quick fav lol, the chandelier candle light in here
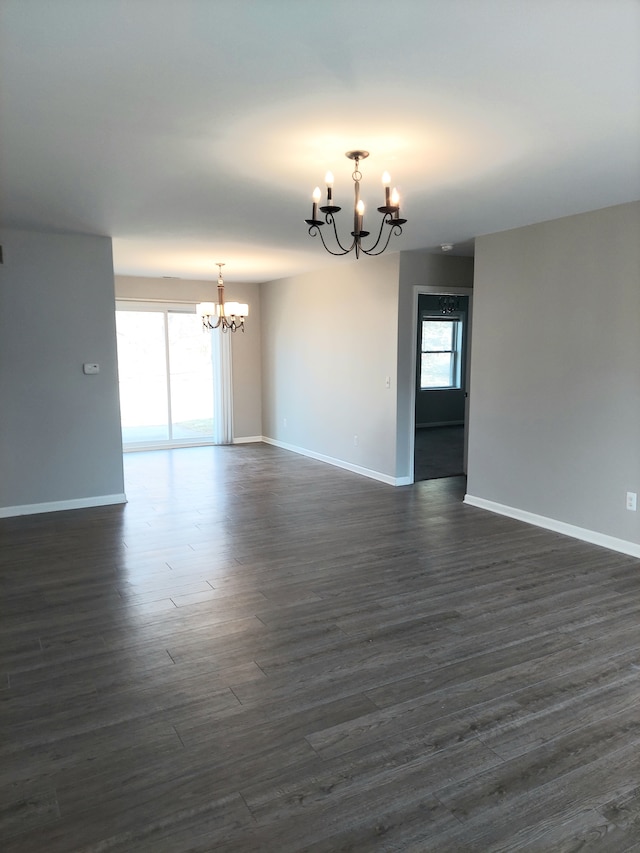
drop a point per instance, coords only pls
(228, 316)
(390, 211)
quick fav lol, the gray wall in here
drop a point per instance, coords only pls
(329, 342)
(59, 429)
(330, 339)
(246, 347)
(555, 370)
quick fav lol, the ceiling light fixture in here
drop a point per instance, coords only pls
(228, 316)
(448, 304)
(390, 211)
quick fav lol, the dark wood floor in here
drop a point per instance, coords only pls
(438, 452)
(264, 653)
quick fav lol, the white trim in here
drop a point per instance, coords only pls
(126, 303)
(591, 536)
(57, 506)
(134, 446)
(339, 463)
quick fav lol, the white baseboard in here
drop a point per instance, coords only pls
(57, 506)
(181, 445)
(143, 446)
(339, 463)
(591, 536)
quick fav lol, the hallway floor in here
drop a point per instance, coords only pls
(439, 452)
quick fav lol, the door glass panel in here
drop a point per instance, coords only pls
(143, 376)
(191, 378)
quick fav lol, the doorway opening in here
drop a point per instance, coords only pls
(441, 383)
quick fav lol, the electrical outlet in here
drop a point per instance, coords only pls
(355, 440)
(632, 501)
(284, 422)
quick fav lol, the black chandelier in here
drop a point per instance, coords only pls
(448, 304)
(390, 211)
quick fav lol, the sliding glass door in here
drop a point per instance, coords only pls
(166, 378)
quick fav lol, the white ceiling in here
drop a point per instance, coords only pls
(194, 131)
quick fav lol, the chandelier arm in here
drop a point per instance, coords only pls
(206, 321)
(314, 230)
(331, 221)
(345, 251)
(331, 252)
(395, 229)
(371, 250)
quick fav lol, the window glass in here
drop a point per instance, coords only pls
(166, 376)
(441, 352)
(437, 335)
(142, 370)
(436, 370)
(190, 377)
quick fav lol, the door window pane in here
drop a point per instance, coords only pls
(191, 377)
(142, 368)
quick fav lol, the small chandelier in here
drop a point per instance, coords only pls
(448, 304)
(228, 316)
(390, 211)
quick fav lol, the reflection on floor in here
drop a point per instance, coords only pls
(439, 452)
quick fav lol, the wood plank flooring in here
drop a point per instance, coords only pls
(438, 452)
(260, 652)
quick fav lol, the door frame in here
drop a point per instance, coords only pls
(436, 290)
